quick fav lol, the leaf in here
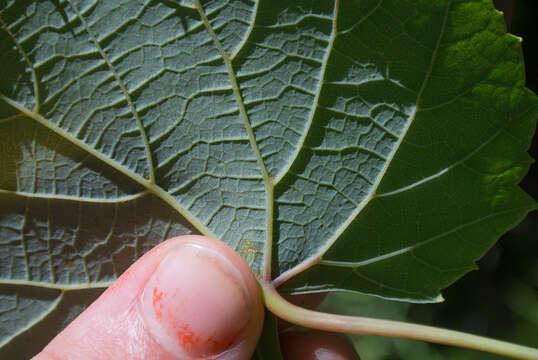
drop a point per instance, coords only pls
(370, 146)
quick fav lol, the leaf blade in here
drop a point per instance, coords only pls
(308, 136)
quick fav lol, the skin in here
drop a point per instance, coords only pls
(191, 297)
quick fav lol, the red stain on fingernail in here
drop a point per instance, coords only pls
(211, 340)
(212, 344)
(157, 302)
(186, 336)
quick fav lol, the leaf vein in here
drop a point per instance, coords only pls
(36, 321)
(317, 256)
(409, 249)
(443, 171)
(151, 187)
(242, 110)
(315, 103)
(123, 89)
(26, 60)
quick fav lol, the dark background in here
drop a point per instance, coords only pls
(498, 300)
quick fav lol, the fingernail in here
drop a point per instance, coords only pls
(196, 303)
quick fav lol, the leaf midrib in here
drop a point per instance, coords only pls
(268, 183)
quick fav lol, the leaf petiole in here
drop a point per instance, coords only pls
(363, 325)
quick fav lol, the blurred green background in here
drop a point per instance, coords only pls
(498, 300)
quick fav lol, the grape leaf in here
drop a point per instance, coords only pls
(370, 145)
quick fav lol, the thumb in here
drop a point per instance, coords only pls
(191, 297)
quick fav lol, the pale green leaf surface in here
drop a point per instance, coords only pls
(369, 146)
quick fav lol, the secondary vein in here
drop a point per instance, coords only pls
(317, 257)
(29, 325)
(26, 60)
(408, 249)
(120, 82)
(315, 104)
(152, 187)
(43, 196)
(54, 286)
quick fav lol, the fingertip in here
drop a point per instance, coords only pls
(190, 297)
(203, 301)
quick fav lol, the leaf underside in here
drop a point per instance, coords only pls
(369, 146)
